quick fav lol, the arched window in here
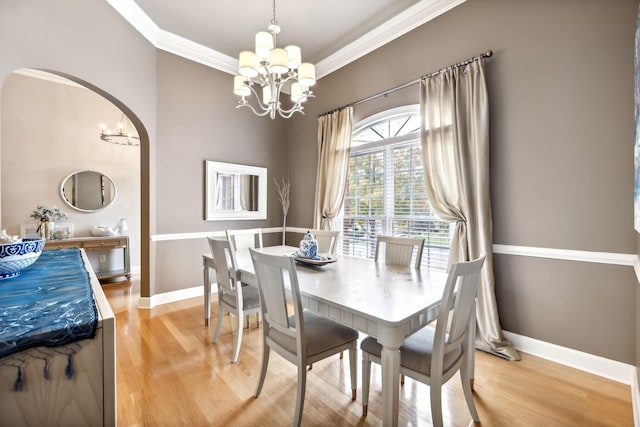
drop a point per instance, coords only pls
(386, 192)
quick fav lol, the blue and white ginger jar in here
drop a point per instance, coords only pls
(309, 247)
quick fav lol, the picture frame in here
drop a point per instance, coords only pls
(234, 192)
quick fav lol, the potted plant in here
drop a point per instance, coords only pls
(47, 216)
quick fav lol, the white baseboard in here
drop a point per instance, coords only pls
(607, 368)
(169, 297)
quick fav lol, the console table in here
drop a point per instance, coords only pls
(98, 244)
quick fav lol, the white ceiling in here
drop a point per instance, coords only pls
(331, 33)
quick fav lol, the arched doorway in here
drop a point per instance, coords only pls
(46, 162)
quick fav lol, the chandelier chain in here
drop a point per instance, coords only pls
(274, 21)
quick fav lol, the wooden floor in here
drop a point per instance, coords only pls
(169, 374)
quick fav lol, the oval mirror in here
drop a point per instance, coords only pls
(88, 191)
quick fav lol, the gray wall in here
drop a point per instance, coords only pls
(197, 121)
(561, 101)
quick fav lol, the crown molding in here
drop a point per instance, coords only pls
(196, 52)
(416, 15)
(133, 14)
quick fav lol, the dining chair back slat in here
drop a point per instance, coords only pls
(327, 241)
(245, 238)
(399, 250)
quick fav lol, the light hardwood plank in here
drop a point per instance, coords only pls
(169, 373)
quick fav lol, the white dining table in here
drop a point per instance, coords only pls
(384, 301)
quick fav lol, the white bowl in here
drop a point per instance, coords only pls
(15, 257)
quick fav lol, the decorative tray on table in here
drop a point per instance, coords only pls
(318, 261)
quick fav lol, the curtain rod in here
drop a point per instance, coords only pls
(486, 54)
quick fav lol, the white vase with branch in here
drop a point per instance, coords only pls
(283, 193)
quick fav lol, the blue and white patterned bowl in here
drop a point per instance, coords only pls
(16, 256)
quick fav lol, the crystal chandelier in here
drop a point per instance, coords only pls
(122, 135)
(271, 68)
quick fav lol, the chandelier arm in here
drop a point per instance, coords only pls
(288, 114)
(246, 104)
(258, 97)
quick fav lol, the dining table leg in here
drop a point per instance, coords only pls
(390, 359)
(207, 294)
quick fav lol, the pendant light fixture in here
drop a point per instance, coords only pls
(264, 73)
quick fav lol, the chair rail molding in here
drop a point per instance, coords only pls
(569, 255)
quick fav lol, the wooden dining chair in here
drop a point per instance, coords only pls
(327, 241)
(399, 250)
(241, 301)
(433, 355)
(302, 338)
(246, 238)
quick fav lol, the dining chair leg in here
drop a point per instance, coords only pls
(216, 334)
(302, 382)
(366, 380)
(436, 403)
(263, 369)
(468, 394)
(236, 348)
(354, 372)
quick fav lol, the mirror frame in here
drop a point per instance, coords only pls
(115, 191)
(212, 168)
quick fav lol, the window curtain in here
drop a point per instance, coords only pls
(455, 148)
(334, 144)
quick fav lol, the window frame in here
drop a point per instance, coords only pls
(387, 147)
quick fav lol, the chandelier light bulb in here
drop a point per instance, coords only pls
(266, 95)
(307, 74)
(240, 86)
(278, 62)
(294, 56)
(264, 44)
(248, 64)
(297, 93)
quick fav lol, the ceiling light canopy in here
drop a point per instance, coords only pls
(270, 69)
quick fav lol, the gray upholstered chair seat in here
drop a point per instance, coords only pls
(321, 334)
(250, 298)
(415, 353)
